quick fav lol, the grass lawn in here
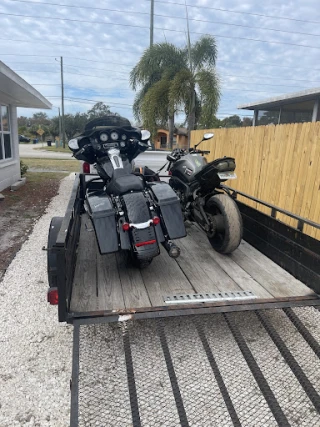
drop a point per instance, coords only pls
(52, 165)
(56, 150)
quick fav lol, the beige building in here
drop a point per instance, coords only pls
(180, 139)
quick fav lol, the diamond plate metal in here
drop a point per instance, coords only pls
(194, 366)
(209, 297)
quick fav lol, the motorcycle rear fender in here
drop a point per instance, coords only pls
(142, 235)
(103, 216)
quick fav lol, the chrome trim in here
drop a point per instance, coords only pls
(115, 159)
(142, 225)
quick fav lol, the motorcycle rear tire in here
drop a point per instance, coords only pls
(227, 241)
(141, 263)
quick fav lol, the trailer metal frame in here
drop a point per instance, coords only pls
(289, 247)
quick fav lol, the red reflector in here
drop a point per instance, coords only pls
(52, 296)
(156, 220)
(148, 242)
(125, 226)
(170, 173)
(86, 167)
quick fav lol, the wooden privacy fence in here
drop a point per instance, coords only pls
(277, 164)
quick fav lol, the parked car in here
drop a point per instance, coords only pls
(23, 138)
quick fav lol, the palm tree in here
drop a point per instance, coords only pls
(172, 79)
(154, 73)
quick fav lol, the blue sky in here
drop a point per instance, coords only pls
(98, 54)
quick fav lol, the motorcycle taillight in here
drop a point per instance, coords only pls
(86, 167)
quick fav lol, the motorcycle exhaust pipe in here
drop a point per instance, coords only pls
(172, 249)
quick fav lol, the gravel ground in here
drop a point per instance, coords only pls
(35, 357)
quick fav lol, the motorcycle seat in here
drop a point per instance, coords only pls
(123, 182)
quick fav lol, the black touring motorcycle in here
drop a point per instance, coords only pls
(203, 200)
(133, 212)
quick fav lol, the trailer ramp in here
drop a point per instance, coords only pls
(258, 368)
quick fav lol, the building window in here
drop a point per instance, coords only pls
(267, 117)
(163, 141)
(5, 134)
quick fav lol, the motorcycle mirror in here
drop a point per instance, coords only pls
(208, 136)
(73, 144)
(145, 135)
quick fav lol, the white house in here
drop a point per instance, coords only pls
(14, 92)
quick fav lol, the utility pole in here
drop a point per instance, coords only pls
(151, 22)
(59, 126)
(62, 105)
(191, 118)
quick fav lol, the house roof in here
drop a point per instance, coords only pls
(177, 131)
(181, 131)
(302, 100)
(16, 91)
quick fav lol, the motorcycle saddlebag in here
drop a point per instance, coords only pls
(170, 208)
(103, 217)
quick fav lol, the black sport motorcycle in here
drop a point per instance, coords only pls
(131, 211)
(203, 199)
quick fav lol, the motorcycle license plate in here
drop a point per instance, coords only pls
(227, 175)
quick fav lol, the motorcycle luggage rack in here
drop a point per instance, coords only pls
(209, 297)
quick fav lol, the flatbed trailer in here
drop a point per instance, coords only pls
(140, 373)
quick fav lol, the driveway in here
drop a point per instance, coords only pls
(152, 159)
(30, 151)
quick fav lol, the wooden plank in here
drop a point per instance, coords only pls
(276, 285)
(243, 280)
(298, 288)
(84, 290)
(109, 288)
(202, 269)
(133, 288)
(164, 277)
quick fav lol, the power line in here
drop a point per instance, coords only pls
(132, 65)
(271, 77)
(269, 65)
(98, 69)
(78, 100)
(66, 72)
(240, 12)
(86, 99)
(166, 16)
(41, 41)
(20, 54)
(157, 28)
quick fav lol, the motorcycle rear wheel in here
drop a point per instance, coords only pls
(225, 240)
(141, 263)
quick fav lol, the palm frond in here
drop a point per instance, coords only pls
(159, 59)
(208, 86)
(204, 52)
(155, 106)
(181, 89)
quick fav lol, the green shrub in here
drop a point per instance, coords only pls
(23, 168)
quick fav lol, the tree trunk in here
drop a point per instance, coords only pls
(192, 116)
(171, 130)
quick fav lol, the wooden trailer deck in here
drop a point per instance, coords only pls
(109, 282)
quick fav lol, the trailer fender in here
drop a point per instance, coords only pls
(54, 229)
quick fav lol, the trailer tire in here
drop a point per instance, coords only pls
(229, 239)
(54, 229)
